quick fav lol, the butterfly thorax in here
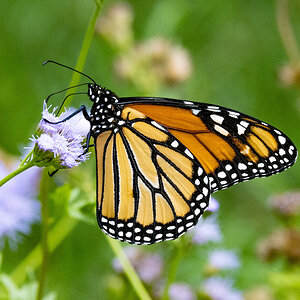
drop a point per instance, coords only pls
(105, 113)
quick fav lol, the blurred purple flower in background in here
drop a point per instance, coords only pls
(218, 288)
(148, 265)
(207, 230)
(213, 205)
(223, 259)
(181, 291)
(19, 208)
(60, 145)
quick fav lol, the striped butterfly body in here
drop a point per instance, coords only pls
(158, 161)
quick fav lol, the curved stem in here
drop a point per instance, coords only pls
(19, 170)
(286, 31)
(44, 190)
(128, 269)
(85, 47)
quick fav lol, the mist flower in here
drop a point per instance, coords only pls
(19, 208)
(60, 145)
(218, 288)
(223, 259)
(207, 230)
(147, 265)
(181, 291)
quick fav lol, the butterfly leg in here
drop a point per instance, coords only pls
(88, 138)
(52, 173)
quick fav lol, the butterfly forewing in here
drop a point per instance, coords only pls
(150, 186)
(231, 146)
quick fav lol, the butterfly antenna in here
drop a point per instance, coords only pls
(57, 63)
(71, 87)
(62, 104)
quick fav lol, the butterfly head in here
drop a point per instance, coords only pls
(95, 91)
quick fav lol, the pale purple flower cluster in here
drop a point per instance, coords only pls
(61, 145)
(147, 265)
(207, 230)
(218, 288)
(181, 291)
(223, 259)
(19, 208)
(213, 205)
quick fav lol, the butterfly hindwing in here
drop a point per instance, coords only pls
(150, 186)
(231, 146)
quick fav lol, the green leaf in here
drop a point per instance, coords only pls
(81, 207)
(28, 291)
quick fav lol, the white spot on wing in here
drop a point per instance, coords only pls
(188, 153)
(157, 125)
(234, 113)
(188, 102)
(218, 119)
(174, 144)
(244, 123)
(281, 152)
(222, 174)
(241, 129)
(221, 130)
(228, 167)
(282, 139)
(242, 166)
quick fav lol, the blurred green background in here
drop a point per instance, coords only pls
(236, 53)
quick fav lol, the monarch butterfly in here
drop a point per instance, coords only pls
(160, 159)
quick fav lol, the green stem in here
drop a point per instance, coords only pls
(286, 31)
(172, 270)
(85, 48)
(44, 190)
(26, 159)
(19, 170)
(56, 235)
(128, 269)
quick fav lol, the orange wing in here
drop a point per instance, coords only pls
(230, 146)
(150, 187)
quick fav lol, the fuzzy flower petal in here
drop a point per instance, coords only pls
(46, 142)
(61, 145)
